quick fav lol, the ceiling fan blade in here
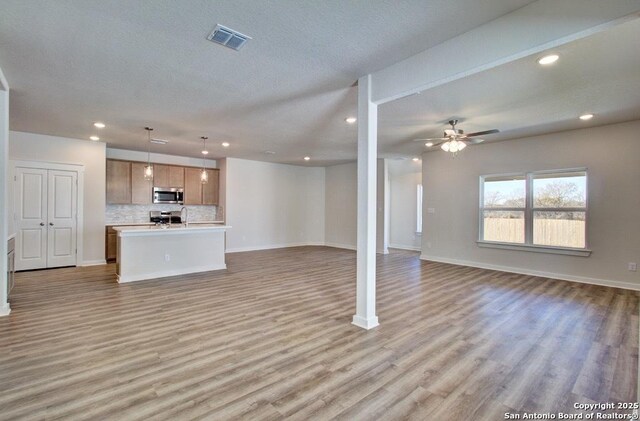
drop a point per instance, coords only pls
(492, 131)
(475, 141)
(431, 139)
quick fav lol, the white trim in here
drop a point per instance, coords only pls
(93, 263)
(529, 209)
(49, 165)
(4, 85)
(79, 170)
(560, 276)
(270, 246)
(340, 246)
(403, 247)
(367, 324)
(5, 309)
(535, 248)
(166, 273)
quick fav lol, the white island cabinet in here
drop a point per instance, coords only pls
(149, 252)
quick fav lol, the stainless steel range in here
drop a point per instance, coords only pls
(165, 217)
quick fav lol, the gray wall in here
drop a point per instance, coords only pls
(612, 156)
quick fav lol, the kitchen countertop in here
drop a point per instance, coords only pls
(166, 229)
(133, 224)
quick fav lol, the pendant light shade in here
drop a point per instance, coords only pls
(148, 169)
(204, 175)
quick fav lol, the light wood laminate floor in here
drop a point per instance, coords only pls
(270, 338)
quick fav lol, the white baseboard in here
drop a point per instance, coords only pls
(269, 247)
(340, 246)
(93, 262)
(365, 323)
(5, 309)
(563, 277)
(403, 247)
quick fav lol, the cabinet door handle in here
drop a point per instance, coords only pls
(42, 224)
(51, 223)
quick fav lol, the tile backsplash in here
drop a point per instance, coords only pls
(136, 214)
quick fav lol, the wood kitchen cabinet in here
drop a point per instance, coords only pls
(111, 244)
(211, 190)
(118, 182)
(192, 186)
(140, 188)
(126, 183)
(196, 193)
(168, 176)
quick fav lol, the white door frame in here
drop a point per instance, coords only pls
(79, 169)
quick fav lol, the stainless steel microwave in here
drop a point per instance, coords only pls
(168, 195)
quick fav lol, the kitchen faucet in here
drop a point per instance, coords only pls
(185, 221)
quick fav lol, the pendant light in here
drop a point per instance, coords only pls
(204, 175)
(148, 169)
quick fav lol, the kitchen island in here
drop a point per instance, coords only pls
(151, 251)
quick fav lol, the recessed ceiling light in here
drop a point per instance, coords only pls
(350, 120)
(416, 159)
(99, 125)
(306, 158)
(550, 59)
(586, 116)
(428, 144)
(205, 152)
(94, 138)
(225, 144)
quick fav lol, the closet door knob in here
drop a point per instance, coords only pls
(51, 223)
(42, 224)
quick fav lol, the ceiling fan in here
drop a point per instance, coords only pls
(455, 140)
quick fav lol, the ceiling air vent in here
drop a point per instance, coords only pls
(228, 37)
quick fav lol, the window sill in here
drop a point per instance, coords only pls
(536, 249)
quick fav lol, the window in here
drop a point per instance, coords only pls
(419, 209)
(545, 209)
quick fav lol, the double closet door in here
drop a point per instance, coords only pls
(45, 210)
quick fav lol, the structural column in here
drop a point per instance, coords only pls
(4, 177)
(365, 316)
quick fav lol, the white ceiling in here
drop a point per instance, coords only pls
(132, 64)
(598, 74)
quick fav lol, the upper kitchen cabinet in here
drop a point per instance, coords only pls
(192, 186)
(211, 190)
(168, 176)
(118, 182)
(140, 188)
(196, 193)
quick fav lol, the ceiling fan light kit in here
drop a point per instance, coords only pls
(455, 140)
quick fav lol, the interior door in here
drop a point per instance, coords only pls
(31, 218)
(61, 215)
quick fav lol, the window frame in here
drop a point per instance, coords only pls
(529, 210)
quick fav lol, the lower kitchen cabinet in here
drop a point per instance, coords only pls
(111, 244)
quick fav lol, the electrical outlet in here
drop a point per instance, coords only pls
(167, 257)
(633, 267)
